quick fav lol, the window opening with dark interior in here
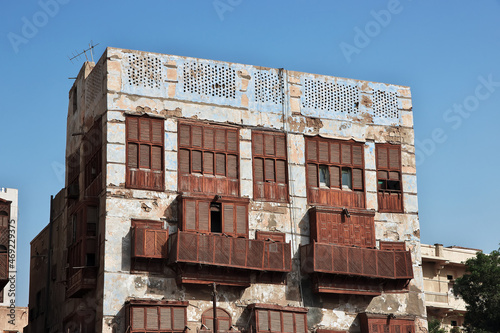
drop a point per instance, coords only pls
(4, 219)
(346, 178)
(90, 259)
(324, 176)
(216, 217)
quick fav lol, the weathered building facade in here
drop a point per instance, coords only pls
(440, 267)
(290, 196)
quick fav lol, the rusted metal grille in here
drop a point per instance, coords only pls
(336, 259)
(219, 250)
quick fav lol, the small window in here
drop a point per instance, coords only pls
(346, 178)
(450, 277)
(454, 322)
(215, 217)
(324, 176)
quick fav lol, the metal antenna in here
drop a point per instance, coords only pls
(78, 55)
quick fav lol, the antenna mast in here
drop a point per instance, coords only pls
(78, 55)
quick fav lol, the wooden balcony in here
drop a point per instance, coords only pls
(4, 269)
(354, 270)
(83, 280)
(218, 251)
(390, 201)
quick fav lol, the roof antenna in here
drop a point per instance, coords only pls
(78, 55)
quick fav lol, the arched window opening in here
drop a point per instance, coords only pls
(223, 320)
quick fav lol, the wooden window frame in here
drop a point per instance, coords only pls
(207, 317)
(334, 160)
(93, 156)
(158, 306)
(392, 246)
(388, 169)
(144, 262)
(142, 170)
(205, 143)
(270, 194)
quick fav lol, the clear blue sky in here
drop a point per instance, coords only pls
(446, 51)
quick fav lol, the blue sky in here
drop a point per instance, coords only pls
(446, 51)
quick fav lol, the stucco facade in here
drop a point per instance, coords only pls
(306, 112)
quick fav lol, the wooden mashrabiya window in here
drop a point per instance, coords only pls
(335, 171)
(270, 166)
(389, 184)
(208, 159)
(144, 316)
(145, 137)
(282, 319)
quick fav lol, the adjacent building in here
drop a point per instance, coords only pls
(441, 266)
(204, 195)
(12, 318)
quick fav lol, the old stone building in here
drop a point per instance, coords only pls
(440, 267)
(202, 193)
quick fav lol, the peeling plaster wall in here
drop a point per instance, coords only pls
(238, 97)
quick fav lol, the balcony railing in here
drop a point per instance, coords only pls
(220, 250)
(83, 280)
(4, 269)
(344, 260)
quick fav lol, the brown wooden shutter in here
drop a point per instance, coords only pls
(137, 318)
(132, 128)
(220, 164)
(393, 175)
(357, 179)
(132, 155)
(263, 320)
(287, 322)
(334, 176)
(280, 146)
(394, 159)
(258, 144)
(190, 214)
(228, 218)
(220, 139)
(312, 175)
(152, 318)
(144, 158)
(241, 220)
(275, 321)
(383, 175)
(346, 154)
(323, 151)
(232, 166)
(312, 151)
(269, 167)
(208, 163)
(301, 323)
(269, 145)
(281, 171)
(166, 318)
(184, 161)
(382, 157)
(179, 318)
(203, 216)
(184, 135)
(156, 158)
(158, 131)
(334, 153)
(232, 141)
(357, 155)
(144, 130)
(196, 136)
(196, 156)
(208, 138)
(258, 164)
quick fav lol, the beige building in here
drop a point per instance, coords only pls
(289, 196)
(12, 318)
(441, 266)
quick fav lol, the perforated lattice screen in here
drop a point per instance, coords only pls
(337, 97)
(93, 85)
(268, 87)
(144, 71)
(385, 104)
(211, 80)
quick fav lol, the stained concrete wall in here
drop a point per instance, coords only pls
(139, 82)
